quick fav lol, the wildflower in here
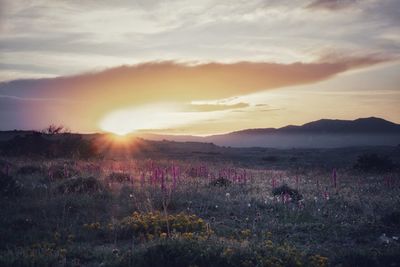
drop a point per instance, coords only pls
(326, 195)
(115, 251)
(227, 195)
(131, 195)
(188, 236)
(249, 205)
(216, 206)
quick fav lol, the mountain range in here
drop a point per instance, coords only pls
(324, 133)
(317, 134)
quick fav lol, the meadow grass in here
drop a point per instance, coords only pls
(179, 213)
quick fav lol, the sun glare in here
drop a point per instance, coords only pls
(161, 116)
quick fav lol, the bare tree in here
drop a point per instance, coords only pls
(53, 129)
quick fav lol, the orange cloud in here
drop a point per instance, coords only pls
(96, 94)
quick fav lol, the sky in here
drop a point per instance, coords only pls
(196, 67)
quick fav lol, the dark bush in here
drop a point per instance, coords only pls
(119, 177)
(270, 158)
(373, 163)
(29, 170)
(61, 171)
(221, 181)
(50, 146)
(285, 189)
(80, 185)
(9, 186)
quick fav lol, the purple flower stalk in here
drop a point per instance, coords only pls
(334, 178)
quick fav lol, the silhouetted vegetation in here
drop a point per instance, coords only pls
(50, 146)
(55, 129)
(286, 190)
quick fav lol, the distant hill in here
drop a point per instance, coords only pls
(324, 133)
(325, 126)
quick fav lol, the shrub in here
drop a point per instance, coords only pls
(156, 225)
(29, 170)
(119, 177)
(286, 190)
(61, 171)
(50, 146)
(80, 185)
(9, 186)
(373, 163)
(221, 181)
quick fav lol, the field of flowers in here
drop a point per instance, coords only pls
(194, 213)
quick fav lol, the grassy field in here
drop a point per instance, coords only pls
(196, 212)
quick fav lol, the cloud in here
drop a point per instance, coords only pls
(331, 4)
(171, 80)
(216, 107)
(89, 97)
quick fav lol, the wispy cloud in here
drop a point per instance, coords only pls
(214, 107)
(332, 4)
